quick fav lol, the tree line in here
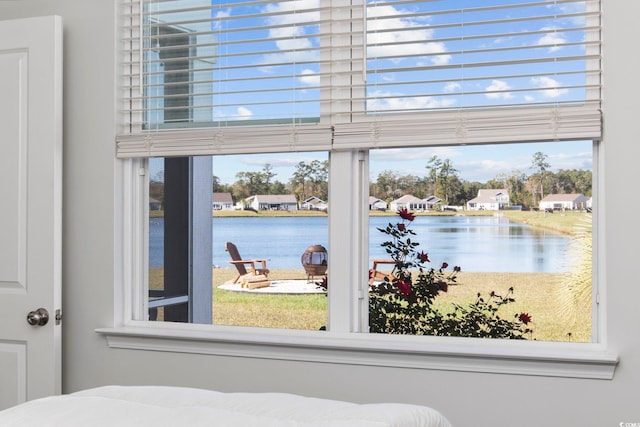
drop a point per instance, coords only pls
(309, 179)
(442, 180)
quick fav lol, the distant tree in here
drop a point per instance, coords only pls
(433, 167)
(248, 184)
(442, 175)
(469, 190)
(573, 181)
(267, 175)
(156, 190)
(540, 166)
(514, 183)
(301, 176)
(219, 187)
(278, 187)
(390, 185)
(215, 183)
(456, 194)
(386, 186)
(310, 179)
(320, 179)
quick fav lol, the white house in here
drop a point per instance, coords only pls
(431, 201)
(489, 200)
(564, 202)
(221, 201)
(101, 347)
(314, 203)
(413, 203)
(377, 204)
(278, 202)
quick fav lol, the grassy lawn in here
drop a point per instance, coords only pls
(538, 294)
(535, 293)
(307, 312)
(563, 222)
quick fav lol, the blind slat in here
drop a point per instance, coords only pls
(258, 75)
(224, 140)
(473, 127)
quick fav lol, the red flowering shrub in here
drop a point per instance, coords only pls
(404, 302)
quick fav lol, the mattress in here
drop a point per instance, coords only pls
(156, 406)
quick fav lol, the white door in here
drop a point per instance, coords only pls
(30, 208)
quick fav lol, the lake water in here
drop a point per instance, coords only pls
(482, 243)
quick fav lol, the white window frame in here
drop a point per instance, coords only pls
(347, 340)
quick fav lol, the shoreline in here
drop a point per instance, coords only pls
(568, 223)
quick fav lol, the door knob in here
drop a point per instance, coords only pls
(39, 317)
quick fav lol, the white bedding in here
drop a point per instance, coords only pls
(178, 406)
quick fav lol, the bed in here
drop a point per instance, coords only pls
(155, 406)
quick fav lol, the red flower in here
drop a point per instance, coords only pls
(401, 227)
(444, 287)
(405, 214)
(524, 318)
(423, 257)
(404, 287)
(456, 268)
(444, 265)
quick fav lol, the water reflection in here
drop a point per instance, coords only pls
(488, 244)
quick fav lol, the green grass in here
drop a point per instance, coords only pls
(535, 293)
(307, 312)
(538, 294)
(563, 222)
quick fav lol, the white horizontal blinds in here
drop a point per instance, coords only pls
(130, 62)
(498, 70)
(225, 140)
(232, 72)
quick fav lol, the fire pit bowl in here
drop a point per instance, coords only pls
(314, 260)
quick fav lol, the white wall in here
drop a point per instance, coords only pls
(466, 398)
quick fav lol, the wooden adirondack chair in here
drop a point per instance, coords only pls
(376, 274)
(255, 266)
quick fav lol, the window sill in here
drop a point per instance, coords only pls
(572, 360)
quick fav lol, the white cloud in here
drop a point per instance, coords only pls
(221, 14)
(574, 160)
(552, 38)
(483, 170)
(243, 113)
(395, 42)
(498, 90)
(572, 8)
(550, 87)
(389, 101)
(414, 163)
(292, 30)
(283, 164)
(310, 77)
(452, 87)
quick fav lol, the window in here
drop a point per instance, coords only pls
(510, 216)
(263, 206)
(354, 84)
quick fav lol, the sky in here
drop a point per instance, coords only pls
(414, 50)
(420, 55)
(474, 163)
